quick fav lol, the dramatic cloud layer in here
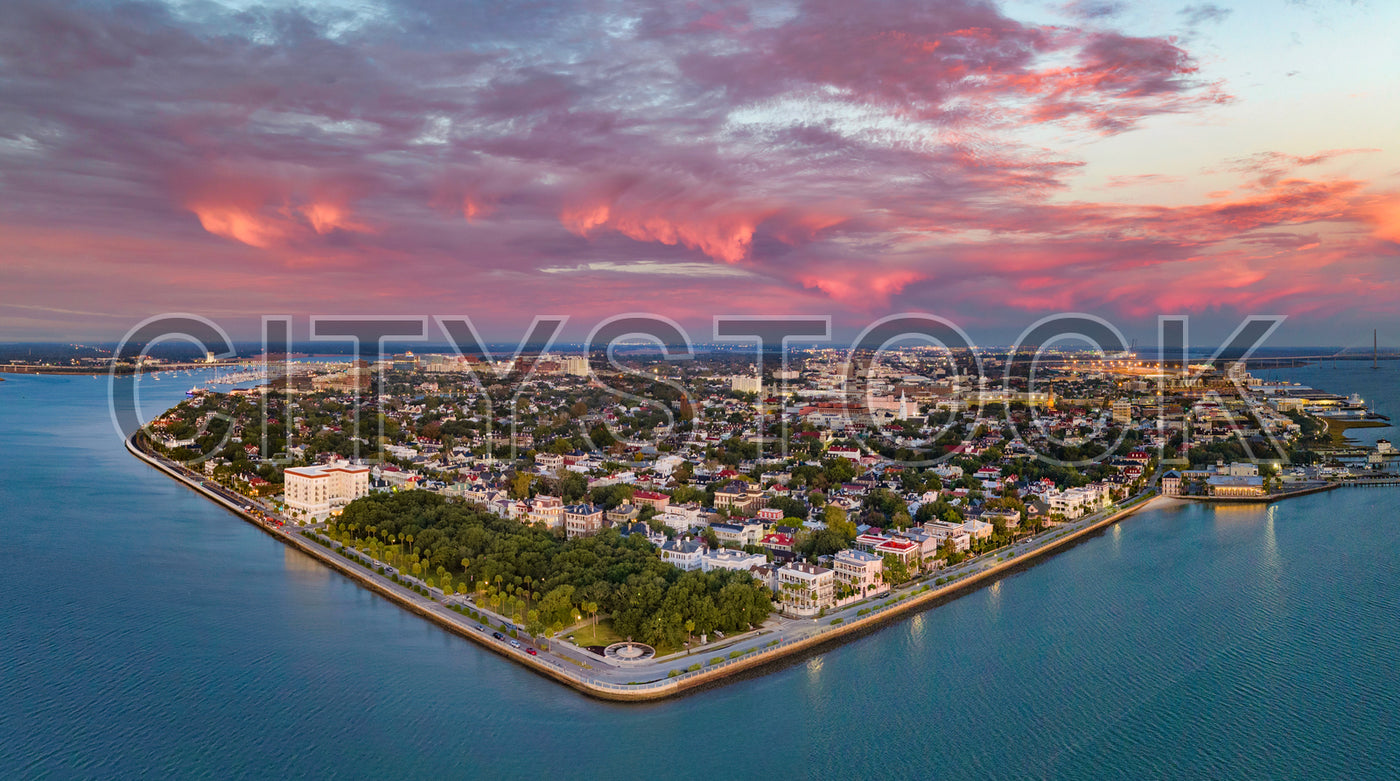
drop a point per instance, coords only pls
(602, 157)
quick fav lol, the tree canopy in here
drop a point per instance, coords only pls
(648, 599)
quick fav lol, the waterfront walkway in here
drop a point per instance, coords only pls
(654, 679)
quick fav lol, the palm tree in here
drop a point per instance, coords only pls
(689, 627)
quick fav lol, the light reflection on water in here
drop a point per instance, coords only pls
(1226, 513)
(303, 567)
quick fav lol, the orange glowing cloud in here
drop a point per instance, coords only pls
(725, 236)
(326, 217)
(1383, 214)
(583, 219)
(859, 287)
(265, 226)
(241, 225)
(472, 209)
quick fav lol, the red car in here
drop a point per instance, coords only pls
(532, 652)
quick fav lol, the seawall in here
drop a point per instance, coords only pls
(461, 625)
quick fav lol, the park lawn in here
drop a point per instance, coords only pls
(585, 636)
(604, 635)
(1338, 428)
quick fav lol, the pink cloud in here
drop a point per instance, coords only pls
(843, 156)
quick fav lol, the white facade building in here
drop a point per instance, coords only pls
(741, 383)
(685, 554)
(315, 491)
(859, 571)
(805, 590)
(547, 510)
(731, 560)
(574, 365)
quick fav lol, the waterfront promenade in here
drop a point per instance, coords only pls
(778, 639)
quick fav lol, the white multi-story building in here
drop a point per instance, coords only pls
(976, 529)
(574, 365)
(316, 491)
(859, 571)
(739, 532)
(805, 590)
(731, 560)
(547, 510)
(1075, 502)
(667, 464)
(682, 517)
(1171, 483)
(741, 383)
(942, 530)
(688, 555)
(1238, 469)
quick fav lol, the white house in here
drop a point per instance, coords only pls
(682, 517)
(739, 532)
(685, 554)
(547, 510)
(731, 560)
(942, 531)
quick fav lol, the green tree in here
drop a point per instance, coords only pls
(836, 521)
(520, 485)
(572, 487)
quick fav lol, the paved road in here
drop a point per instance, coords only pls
(777, 628)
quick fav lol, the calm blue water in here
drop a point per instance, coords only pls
(145, 632)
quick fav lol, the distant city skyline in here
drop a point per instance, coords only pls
(987, 162)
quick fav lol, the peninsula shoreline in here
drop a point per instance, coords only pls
(910, 602)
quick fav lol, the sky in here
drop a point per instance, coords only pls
(991, 163)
